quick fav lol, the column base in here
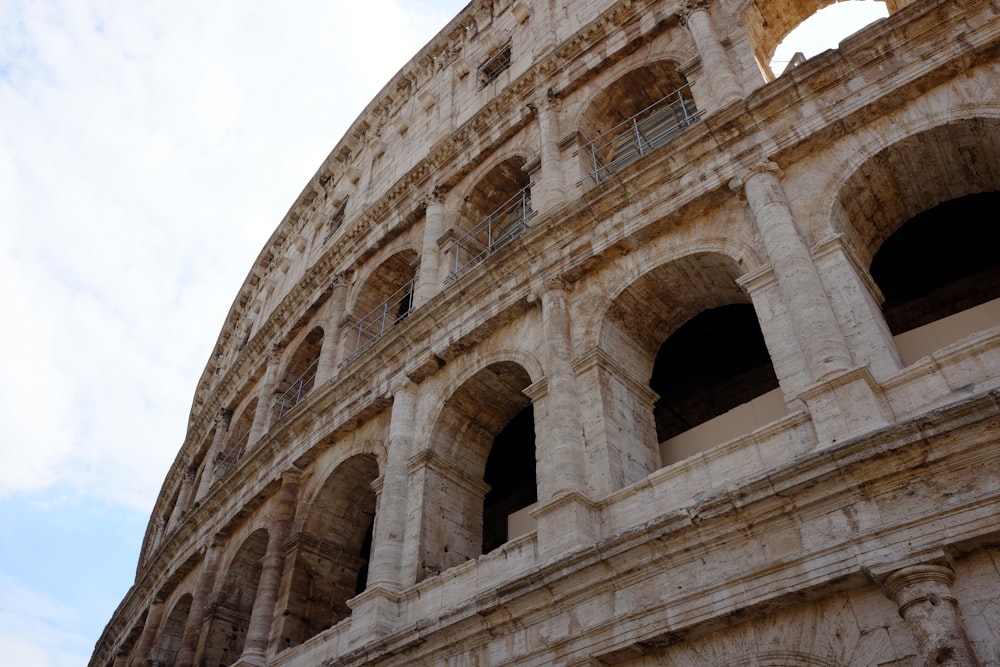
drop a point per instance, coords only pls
(566, 523)
(251, 659)
(846, 405)
(374, 613)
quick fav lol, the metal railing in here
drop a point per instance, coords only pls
(644, 132)
(494, 231)
(292, 396)
(227, 460)
(380, 319)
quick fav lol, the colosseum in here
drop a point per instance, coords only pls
(595, 342)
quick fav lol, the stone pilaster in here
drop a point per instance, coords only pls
(925, 600)
(564, 512)
(183, 498)
(715, 65)
(218, 442)
(813, 320)
(264, 399)
(842, 399)
(549, 189)
(328, 359)
(390, 516)
(192, 637)
(428, 282)
(149, 632)
(261, 620)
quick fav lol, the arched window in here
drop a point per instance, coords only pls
(688, 329)
(228, 617)
(299, 375)
(635, 115)
(940, 275)
(328, 558)
(236, 440)
(485, 432)
(715, 381)
(784, 33)
(921, 213)
(385, 300)
(495, 211)
(165, 653)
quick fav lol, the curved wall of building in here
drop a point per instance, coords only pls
(593, 342)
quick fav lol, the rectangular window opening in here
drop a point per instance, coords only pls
(491, 69)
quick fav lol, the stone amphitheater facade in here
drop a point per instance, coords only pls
(595, 343)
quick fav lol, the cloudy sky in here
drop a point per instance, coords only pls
(147, 151)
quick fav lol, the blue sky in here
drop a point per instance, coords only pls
(147, 151)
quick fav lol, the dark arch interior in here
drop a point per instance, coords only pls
(941, 262)
(510, 472)
(714, 362)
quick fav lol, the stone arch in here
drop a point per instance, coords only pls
(495, 209)
(169, 642)
(328, 556)
(920, 213)
(384, 298)
(768, 22)
(687, 330)
(237, 438)
(470, 424)
(299, 374)
(636, 113)
(228, 617)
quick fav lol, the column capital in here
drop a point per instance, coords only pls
(917, 583)
(554, 284)
(436, 195)
(341, 278)
(737, 183)
(690, 7)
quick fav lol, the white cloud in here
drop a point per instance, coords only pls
(33, 629)
(148, 151)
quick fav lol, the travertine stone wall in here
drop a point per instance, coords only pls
(327, 506)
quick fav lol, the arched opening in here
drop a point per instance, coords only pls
(922, 214)
(460, 519)
(940, 275)
(688, 329)
(228, 617)
(300, 374)
(237, 439)
(384, 300)
(510, 474)
(328, 558)
(784, 33)
(165, 653)
(715, 381)
(495, 211)
(635, 115)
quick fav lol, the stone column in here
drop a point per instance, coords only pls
(262, 618)
(428, 282)
(549, 189)
(565, 512)
(264, 400)
(390, 517)
(715, 64)
(376, 609)
(183, 498)
(191, 638)
(328, 355)
(149, 630)
(813, 320)
(218, 442)
(923, 594)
